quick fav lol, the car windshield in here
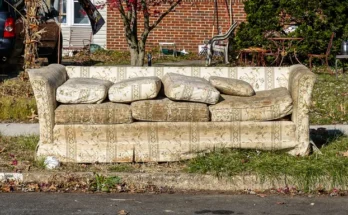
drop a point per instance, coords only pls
(19, 4)
(3, 5)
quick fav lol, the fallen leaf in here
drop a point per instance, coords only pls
(6, 188)
(122, 212)
(53, 188)
(280, 203)
(2, 149)
(345, 154)
(262, 195)
(33, 116)
(33, 187)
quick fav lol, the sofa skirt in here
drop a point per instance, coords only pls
(163, 141)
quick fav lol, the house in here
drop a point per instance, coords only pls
(192, 22)
(75, 24)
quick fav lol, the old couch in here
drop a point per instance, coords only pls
(88, 135)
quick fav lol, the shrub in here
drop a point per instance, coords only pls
(316, 20)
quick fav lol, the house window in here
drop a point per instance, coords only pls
(70, 12)
(80, 16)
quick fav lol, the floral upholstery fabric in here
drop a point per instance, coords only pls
(83, 90)
(265, 105)
(168, 141)
(45, 82)
(165, 110)
(185, 88)
(301, 83)
(163, 141)
(134, 89)
(104, 113)
(230, 86)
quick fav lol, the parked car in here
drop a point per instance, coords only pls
(12, 34)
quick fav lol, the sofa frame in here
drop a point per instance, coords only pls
(170, 141)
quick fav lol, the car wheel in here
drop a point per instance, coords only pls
(54, 58)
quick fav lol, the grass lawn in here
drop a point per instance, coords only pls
(330, 100)
(330, 167)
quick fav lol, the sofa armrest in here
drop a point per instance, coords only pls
(301, 82)
(45, 82)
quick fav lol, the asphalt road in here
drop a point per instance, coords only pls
(153, 204)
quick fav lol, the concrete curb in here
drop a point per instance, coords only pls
(18, 129)
(176, 181)
(342, 128)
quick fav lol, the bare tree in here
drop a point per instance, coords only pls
(129, 11)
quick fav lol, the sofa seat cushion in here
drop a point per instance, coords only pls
(161, 110)
(104, 113)
(231, 86)
(134, 89)
(83, 90)
(187, 88)
(265, 105)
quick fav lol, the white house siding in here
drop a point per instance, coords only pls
(82, 32)
(65, 35)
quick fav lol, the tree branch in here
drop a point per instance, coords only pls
(126, 21)
(164, 14)
(134, 18)
(146, 15)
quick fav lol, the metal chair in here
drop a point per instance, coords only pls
(322, 56)
(214, 46)
(79, 39)
(272, 49)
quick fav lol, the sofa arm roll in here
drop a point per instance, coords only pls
(301, 83)
(45, 82)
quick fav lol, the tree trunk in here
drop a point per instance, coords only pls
(137, 57)
(134, 56)
(137, 52)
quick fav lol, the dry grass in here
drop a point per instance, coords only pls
(110, 57)
(17, 103)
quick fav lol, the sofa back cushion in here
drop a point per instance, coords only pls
(83, 90)
(134, 89)
(166, 110)
(187, 88)
(265, 105)
(231, 86)
(260, 78)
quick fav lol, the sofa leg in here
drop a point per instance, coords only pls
(302, 149)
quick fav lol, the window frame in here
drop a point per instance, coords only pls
(73, 16)
(70, 15)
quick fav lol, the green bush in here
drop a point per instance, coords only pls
(316, 20)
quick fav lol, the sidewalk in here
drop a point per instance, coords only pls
(18, 129)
